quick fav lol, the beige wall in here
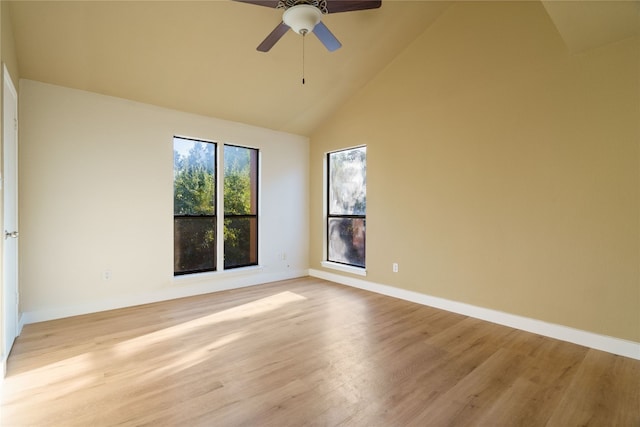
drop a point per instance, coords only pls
(503, 171)
(8, 44)
(96, 194)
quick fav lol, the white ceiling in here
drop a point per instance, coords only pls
(200, 56)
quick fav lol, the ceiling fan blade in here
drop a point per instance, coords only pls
(267, 3)
(336, 6)
(273, 37)
(326, 37)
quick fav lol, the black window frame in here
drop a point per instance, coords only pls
(330, 216)
(214, 216)
(246, 216)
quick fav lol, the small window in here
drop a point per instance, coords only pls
(240, 206)
(347, 206)
(194, 207)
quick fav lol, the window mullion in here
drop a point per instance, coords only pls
(220, 206)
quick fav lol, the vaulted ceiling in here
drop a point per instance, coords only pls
(200, 56)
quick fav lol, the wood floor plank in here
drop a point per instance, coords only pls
(306, 352)
(463, 403)
(604, 391)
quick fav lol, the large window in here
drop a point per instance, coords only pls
(198, 210)
(347, 206)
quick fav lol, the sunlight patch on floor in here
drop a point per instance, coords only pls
(243, 311)
(113, 361)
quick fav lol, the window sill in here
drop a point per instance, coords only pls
(224, 273)
(344, 268)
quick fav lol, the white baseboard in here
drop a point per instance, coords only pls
(588, 339)
(20, 324)
(198, 286)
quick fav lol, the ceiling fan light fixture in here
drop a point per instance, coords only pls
(302, 18)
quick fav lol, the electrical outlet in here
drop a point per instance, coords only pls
(106, 275)
(395, 267)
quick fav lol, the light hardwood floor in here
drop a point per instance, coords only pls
(307, 352)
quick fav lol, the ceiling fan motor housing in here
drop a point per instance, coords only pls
(302, 18)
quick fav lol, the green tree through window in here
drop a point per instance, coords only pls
(240, 206)
(195, 214)
(194, 220)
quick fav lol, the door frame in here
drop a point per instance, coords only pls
(8, 84)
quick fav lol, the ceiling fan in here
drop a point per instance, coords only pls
(305, 16)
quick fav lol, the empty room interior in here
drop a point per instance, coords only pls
(323, 212)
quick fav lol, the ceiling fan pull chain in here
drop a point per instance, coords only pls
(303, 37)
